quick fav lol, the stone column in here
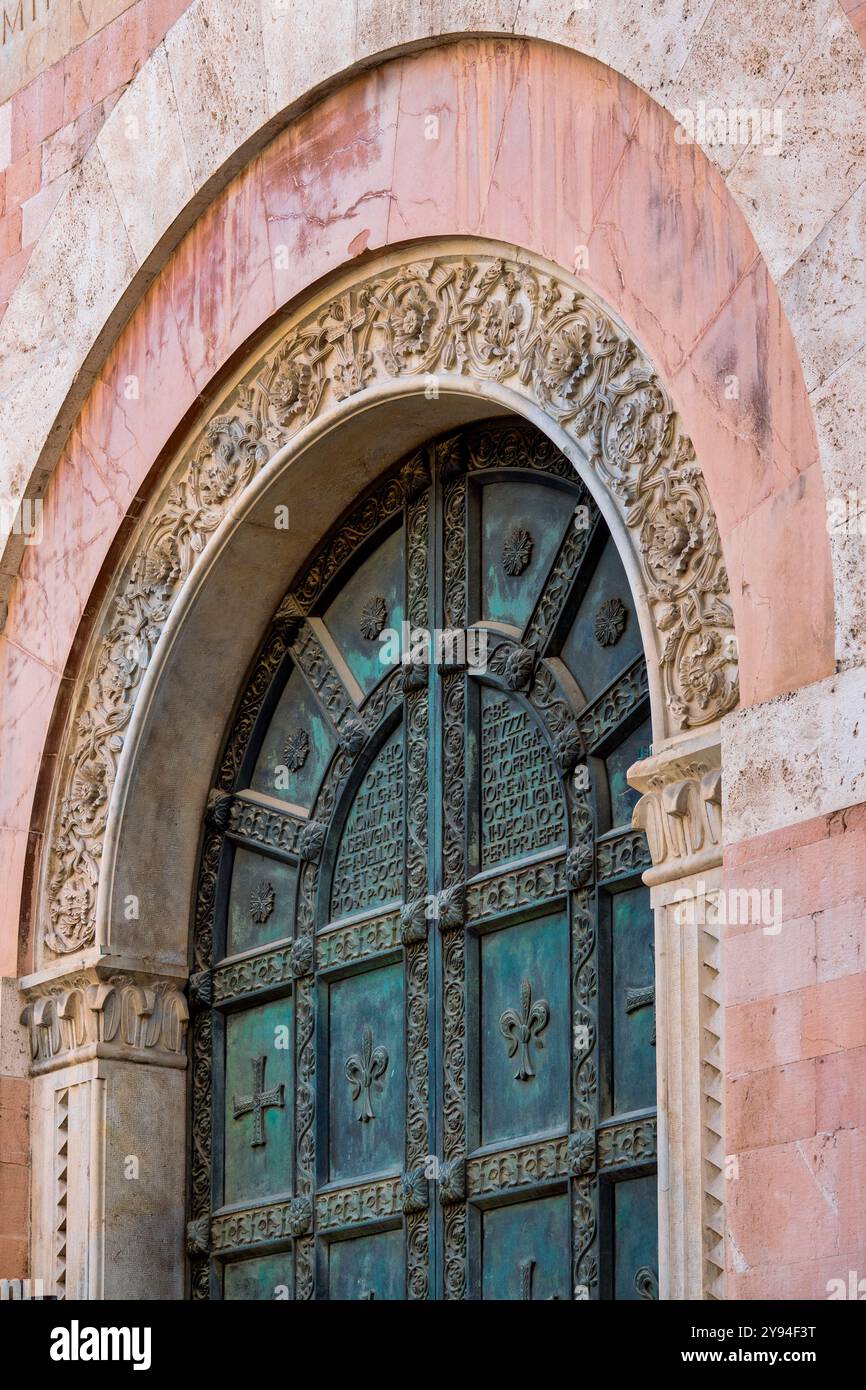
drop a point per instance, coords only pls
(107, 1042)
(680, 812)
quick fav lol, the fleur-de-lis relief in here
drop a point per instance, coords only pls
(522, 1029)
(364, 1071)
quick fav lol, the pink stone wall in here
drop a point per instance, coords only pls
(47, 125)
(14, 1175)
(795, 1019)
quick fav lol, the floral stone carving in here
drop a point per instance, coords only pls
(478, 316)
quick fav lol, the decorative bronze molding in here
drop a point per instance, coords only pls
(620, 702)
(360, 1205)
(627, 1144)
(358, 940)
(621, 854)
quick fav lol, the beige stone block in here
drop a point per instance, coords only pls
(88, 19)
(824, 292)
(217, 65)
(38, 209)
(14, 1053)
(743, 56)
(5, 134)
(109, 1160)
(294, 68)
(648, 43)
(64, 301)
(36, 34)
(143, 151)
(792, 193)
(795, 757)
(840, 411)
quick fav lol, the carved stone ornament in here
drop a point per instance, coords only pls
(414, 1190)
(414, 677)
(567, 747)
(609, 622)
(302, 955)
(680, 813)
(580, 1152)
(414, 921)
(353, 736)
(474, 316)
(519, 666)
(219, 805)
(516, 551)
(301, 1218)
(201, 989)
(125, 1016)
(198, 1236)
(451, 907)
(311, 841)
(452, 1181)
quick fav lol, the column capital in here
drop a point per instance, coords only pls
(680, 810)
(103, 1011)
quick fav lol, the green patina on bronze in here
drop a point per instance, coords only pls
(423, 1027)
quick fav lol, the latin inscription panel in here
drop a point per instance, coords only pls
(522, 808)
(369, 868)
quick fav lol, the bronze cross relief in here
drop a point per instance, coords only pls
(260, 1101)
(527, 1272)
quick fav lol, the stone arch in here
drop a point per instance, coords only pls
(208, 119)
(760, 464)
(430, 323)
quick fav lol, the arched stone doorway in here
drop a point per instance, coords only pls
(367, 369)
(424, 1036)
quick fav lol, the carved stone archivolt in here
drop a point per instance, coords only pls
(496, 320)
